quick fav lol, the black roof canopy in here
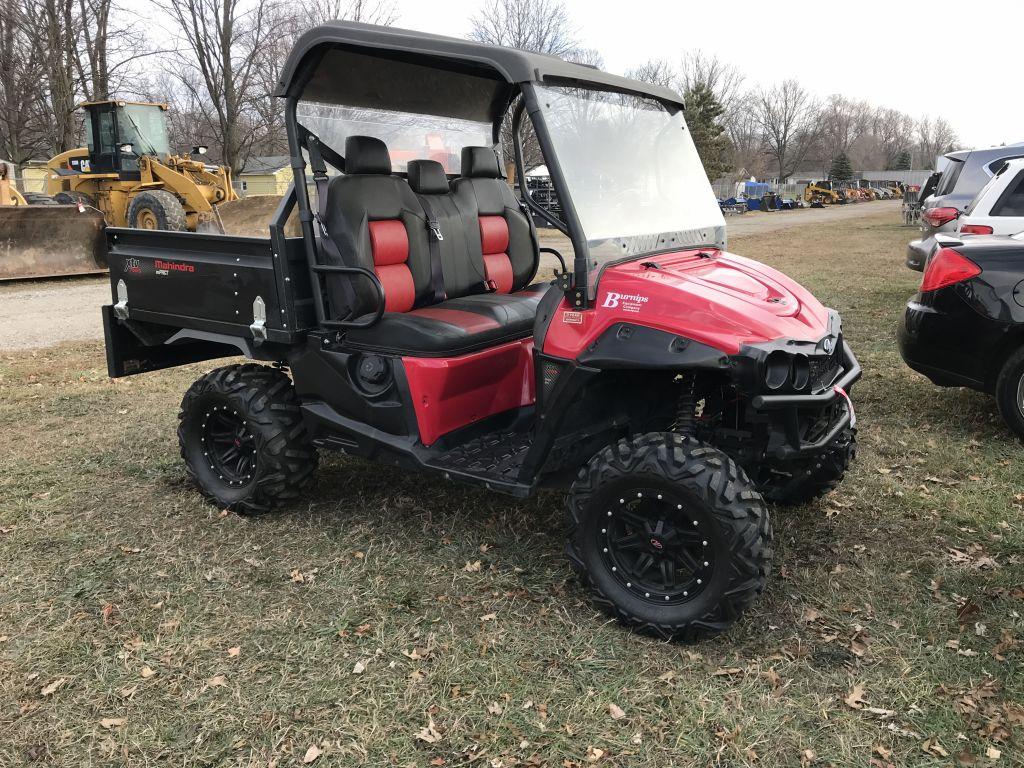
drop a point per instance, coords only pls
(363, 65)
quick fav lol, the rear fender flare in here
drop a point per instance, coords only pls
(243, 345)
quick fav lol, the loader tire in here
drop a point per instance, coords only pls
(74, 198)
(243, 439)
(156, 209)
(669, 535)
(38, 198)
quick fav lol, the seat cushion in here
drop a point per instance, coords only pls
(453, 327)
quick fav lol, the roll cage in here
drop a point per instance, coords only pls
(362, 65)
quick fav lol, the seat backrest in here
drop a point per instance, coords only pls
(462, 264)
(507, 241)
(387, 228)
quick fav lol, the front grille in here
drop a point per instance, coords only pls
(825, 370)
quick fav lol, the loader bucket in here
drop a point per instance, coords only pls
(50, 241)
(251, 216)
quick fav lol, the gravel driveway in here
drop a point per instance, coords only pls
(48, 312)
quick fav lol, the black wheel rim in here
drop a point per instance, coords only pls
(657, 546)
(228, 445)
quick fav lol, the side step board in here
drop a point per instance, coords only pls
(492, 460)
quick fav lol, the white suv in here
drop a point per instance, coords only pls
(998, 209)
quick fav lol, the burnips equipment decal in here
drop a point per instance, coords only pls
(627, 302)
(132, 266)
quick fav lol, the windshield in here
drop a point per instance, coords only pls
(632, 172)
(144, 127)
(408, 136)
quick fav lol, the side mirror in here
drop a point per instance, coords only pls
(199, 149)
(127, 149)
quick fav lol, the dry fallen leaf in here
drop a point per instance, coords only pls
(417, 653)
(855, 698)
(311, 754)
(113, 722)
(52, 688)
(616, 712)
(359, 667)
(489, 617)
(724, 671)
(429, 733)
(473, 567)
(234, 650)
(932, 747)
(494, 708)
(594, 754)
(993, 754)
(147, 672)
(217, 681)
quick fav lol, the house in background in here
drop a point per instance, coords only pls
(268, 175)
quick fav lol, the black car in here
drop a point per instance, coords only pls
(965, 327)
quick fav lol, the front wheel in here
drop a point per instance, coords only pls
(243, 439)
(669, 535)
(157, 209)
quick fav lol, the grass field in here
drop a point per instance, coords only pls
(393, 619)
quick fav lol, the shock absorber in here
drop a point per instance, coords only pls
(686, 407)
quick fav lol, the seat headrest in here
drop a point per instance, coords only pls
(366, 155)
(480, 163)
(426, 177)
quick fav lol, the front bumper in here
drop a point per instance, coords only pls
(831, 410)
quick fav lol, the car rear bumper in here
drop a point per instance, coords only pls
(828, 413)
(938, 345)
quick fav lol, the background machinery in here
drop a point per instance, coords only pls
(127, 172)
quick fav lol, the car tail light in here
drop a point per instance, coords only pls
(976, 229)
(947, 267)
(936, 217)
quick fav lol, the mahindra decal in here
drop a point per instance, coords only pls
(627, 302)
(166, 267)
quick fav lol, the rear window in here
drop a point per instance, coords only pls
(949, 177)
(408, 136)
(1011, 202)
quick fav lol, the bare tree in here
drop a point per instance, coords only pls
(59, 40)
(542, 26)
(22, 72)
(531, 25)
(221, 45)
(786, 114)
(382, 12)
(935, 137)
(656, 72)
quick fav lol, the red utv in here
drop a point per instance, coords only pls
(669, 387)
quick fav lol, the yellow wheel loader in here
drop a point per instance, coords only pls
(128, 172)
(820, 193)
(9, 194)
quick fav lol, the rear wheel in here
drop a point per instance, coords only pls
(1010, 392)
(156, 209)
(243, 439)
(74, 198)
(669, 535)
(37, 198)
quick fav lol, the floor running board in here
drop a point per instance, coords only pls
(495, 457)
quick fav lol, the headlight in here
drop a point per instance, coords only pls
(777, 369)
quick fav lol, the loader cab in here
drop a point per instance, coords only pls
(119, 132)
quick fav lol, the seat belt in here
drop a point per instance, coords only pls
(323, 237)
(434, 239)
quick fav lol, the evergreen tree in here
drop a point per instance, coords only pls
(902, 162)
(841, 169)
(702, 113)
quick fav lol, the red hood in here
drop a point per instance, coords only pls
(721, 300)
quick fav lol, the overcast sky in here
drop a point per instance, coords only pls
(957, 59)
